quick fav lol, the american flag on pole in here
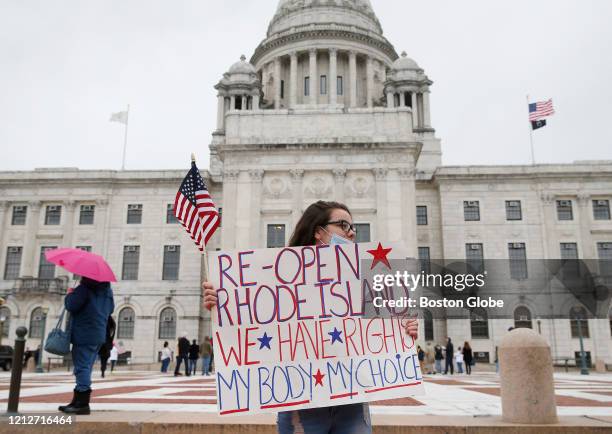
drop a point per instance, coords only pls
(194, 208)
(540, 109)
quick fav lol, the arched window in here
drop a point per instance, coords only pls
(36, 323)
(125, 325)
(579, 322)
(522, 318)
(429, 328)
(167, 323)
(5, 320)
(479, 323)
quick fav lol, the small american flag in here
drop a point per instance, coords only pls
(194, 208)
(540, 109)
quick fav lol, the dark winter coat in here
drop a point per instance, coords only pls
(90, 305)
(183, 347)
(194, 351)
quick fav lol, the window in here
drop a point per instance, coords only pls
(513, 210)
(5, 320)
(323, 85)
(339, 86)
(131, 258)
(429, 327)
(424, 260)
(579, 322)
(522, 318)
(46, 270)
(362, 232)
(276, 236)
(125, 323)
(12, 268)
(86, 249)
(220, 216)
(601, 209)
(170, 217)
(167, 323)
(282, 89)
(471, 210)
(19, 215)
(86, 217)
(134, 215)
(421, 214)
(570, 266)
(474, 258)
(36, 323)
(479, 323)
(564, 210)
(172, 255)
(518, 261)
(306, 86)
(53, 215)
(604, 252)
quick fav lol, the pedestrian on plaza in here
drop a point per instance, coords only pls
(467, 357)
(459, 360)
(166, 356)
(105, 348)
(183, 355)
(206, 353)
(90, 304)
(114, 356)
(421, 356)
(450, 352)
(322, 223)
(438, 356)
(429, 358)
(194, 354)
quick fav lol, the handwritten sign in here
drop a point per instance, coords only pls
(290, 329)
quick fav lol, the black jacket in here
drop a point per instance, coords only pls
(183, 347)
(194, 351)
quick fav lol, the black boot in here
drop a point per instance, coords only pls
(81, 405)
(63, 407)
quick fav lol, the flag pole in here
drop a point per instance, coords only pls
(127, 118)
(530, 134)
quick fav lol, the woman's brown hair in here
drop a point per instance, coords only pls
(316, 215)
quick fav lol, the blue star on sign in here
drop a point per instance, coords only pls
(265, 341)
(335, 335)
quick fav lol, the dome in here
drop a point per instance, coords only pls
(242, 67)
(405, 63)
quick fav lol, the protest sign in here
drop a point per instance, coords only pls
(290, 329)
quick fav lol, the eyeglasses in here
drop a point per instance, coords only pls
(343, 224)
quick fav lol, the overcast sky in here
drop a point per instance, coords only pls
(66, 65)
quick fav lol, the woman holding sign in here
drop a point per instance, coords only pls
(322, 223)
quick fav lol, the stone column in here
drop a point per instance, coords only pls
(380, 173)
(220, 112)
(339, 178)
(426, 113)
(390, 100)
(415, 110)
(69, 207)
(3, 219)
(353, 78)
(256, 102)
(402, 99)
(102, 223)
(408, 199)
(256, 176)
(277, 83)
(313, 76)
(370, 81)
(586, 242)
(293, 80)
(297, 178)
(333, 76)
(230, 192)
(29, 249)
(233, 102)
(526, 377)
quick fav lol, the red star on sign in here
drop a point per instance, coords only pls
(380, 255)
(319, 378)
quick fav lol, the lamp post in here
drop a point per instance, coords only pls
(583, 366)
(39, 366)
(539, 321)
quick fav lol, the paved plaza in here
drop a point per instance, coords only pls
(446, 395)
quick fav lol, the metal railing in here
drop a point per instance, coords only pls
(33, 285)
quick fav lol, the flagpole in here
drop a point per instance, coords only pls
(127, 118)
(530, 134)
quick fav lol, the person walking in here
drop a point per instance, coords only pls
(183, 355)
(194, 354)
(467, 357)
(429, 359)
(90, 304)
(459, 360)
(166, 356)
(449, 356)
(322, 223)
(421, 356)
(114, 356)
(438, 357)
(205, 353)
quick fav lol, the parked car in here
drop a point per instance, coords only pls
(6, 357)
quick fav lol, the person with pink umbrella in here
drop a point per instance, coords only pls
(90, 305)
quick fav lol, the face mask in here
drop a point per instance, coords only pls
(337, 239)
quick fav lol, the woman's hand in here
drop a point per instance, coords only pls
(210, 295)
(412, 327)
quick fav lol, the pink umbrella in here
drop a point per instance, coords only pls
(82, 263)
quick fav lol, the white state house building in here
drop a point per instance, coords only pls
(325, 108)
